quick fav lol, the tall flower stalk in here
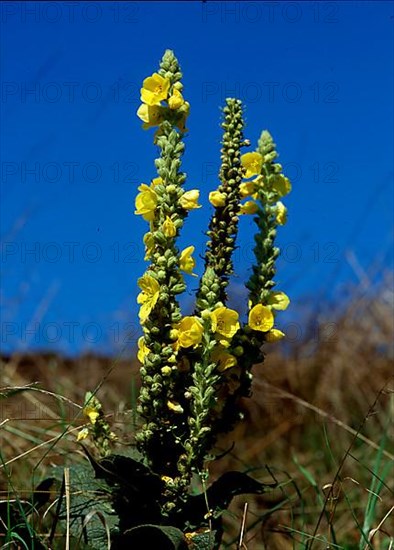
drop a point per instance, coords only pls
(164, 204)
(270, 186)
(264, 186)
(223, 226)
(220, 323)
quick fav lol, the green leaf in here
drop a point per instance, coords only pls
(91, 509)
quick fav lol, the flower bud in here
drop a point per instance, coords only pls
(205, 314)
(156, 389)
(172, 262)
(176, 316)
(159, 237)
(156, 360)
(238, 351)
(166, 371)
(178, 288)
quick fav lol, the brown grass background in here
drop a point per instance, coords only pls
(322, 402)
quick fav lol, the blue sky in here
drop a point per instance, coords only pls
(317, 75)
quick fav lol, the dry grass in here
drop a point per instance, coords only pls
(316, 418)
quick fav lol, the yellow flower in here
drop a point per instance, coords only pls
(224, 321)
(155, 182)
(247, 188)
(149, 295)
(82, 434)
(189, 200)
(258, 181)
(217, 199)
(154, 89)
(281, 213)
(146, 202)
(151, 116)
(278, 300)
(149, 243)
(143, 350)
(223, 358)
(169, 228)
(261, 318)
(250, 207)
(190, 332)
(186, 262)
(280, 184)
(167, 479)
(92, 413)
(252, 162)
(176, 100)
(274, 335)
(175, 407)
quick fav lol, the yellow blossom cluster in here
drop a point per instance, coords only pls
(188, 333)
(155, 90)
(150, 287)
(278, 184)
(146, 204)
(224, 325)
(261, 316)
(98, 428)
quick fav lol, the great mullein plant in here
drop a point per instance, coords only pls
(195, 368)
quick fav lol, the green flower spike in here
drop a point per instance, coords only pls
(267, 188)
(219, 321)
(271, 186)
(165, 418)
(98, 430)
(223, 226)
